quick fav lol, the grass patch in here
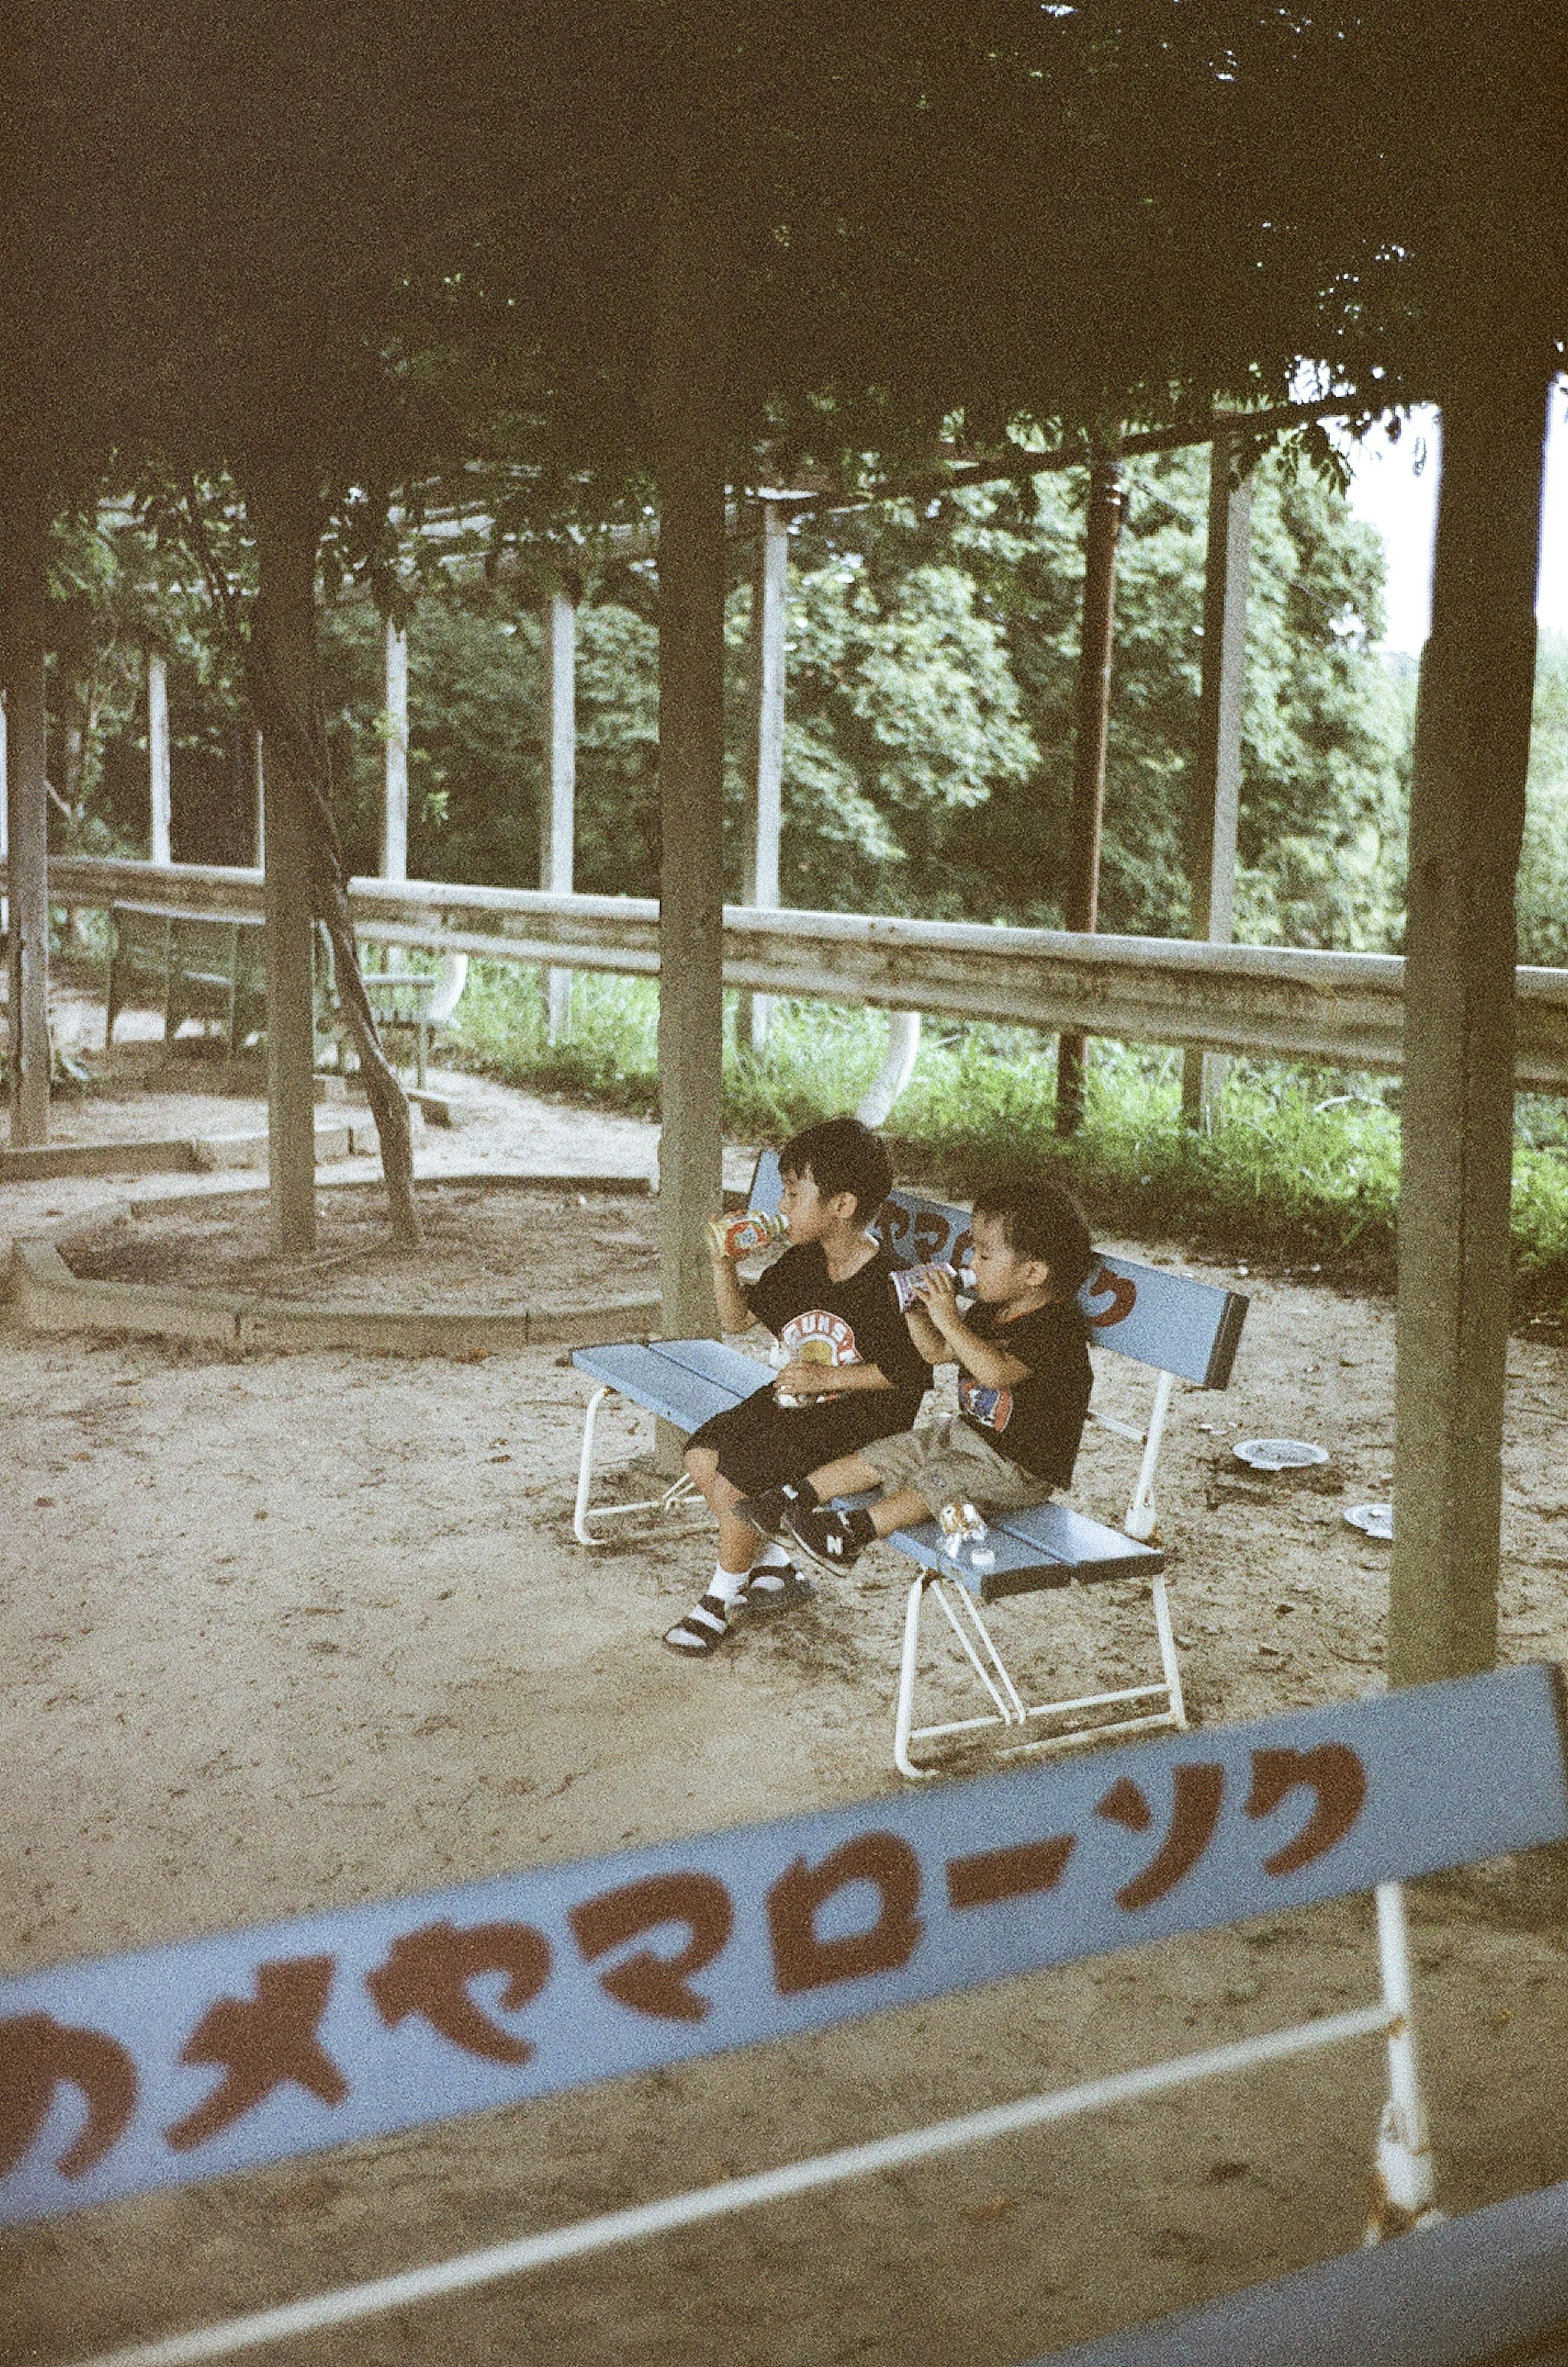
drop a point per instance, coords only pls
(1301, 1167)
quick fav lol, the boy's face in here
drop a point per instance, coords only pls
(806, 1213)
(1001, 1273)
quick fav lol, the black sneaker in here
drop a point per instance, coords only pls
(829, 1539)
(775, 1587)
(769, 1514)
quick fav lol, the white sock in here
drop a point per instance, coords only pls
(730, 1585)
(771, 1561)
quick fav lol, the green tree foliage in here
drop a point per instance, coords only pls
(933, 675)
(1543, 869)
(932, 690)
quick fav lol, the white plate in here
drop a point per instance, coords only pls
(1377, 1520)
(1279, 1454)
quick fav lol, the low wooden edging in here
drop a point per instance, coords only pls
(49, 1297)
(201, 1154)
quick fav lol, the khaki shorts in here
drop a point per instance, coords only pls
(946, 1461)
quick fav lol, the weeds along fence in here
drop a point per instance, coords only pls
(1272, 1002)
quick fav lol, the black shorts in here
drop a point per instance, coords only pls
(761, 1444)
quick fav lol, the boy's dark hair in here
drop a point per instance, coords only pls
(843, 1156)
(1041, 1220)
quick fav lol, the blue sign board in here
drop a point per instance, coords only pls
(195, 2060)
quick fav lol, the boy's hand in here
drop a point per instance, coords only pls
(937, 1293)
(799, 1380)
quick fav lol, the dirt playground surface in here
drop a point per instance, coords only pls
(490, 1247)
(288, 1632)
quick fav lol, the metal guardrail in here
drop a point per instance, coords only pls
(1343, 1009)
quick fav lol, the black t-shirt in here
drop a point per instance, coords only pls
(1039, 1421)
(819, 1321)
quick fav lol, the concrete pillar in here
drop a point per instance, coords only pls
(770, 611)
(1102, 527)
(1467, 810)
(687, 377)
(558, 808)
(1214, 802)
(22, 663)
(395, 798)
(158, 757)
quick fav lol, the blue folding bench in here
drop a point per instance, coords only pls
(1184, 1330)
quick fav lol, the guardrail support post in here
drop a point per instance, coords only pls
(1214, 804)
(158, 780)
(395, 779)
(22, 662)
(282, 510)
(770, 600)
(689, 427)
(1467, 810)
(559, 813)
(1082, 899)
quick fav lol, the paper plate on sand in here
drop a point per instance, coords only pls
(1279, 1454)
(1377, 1520)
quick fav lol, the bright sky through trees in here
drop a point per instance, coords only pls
(1398, 494)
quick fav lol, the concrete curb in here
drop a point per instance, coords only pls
(336, 1137)
(50, 1297)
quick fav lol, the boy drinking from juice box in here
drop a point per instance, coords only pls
(1023, 1390)
(854, 1373)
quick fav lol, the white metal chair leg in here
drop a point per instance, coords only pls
(1009, 1709)
(1404, 2182)
(1168, 1651)
(585, 1469)
(675, 1498)
(904, 1714)
(1140, 1520)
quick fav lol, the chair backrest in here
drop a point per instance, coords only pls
(1168, 1321)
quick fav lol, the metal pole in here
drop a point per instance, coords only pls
(1081, 900)
(558, 808)
(395, 797)
(1214, 803)
(770, 606)
(158, 788)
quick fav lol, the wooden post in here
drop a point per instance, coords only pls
(690, 453)
(395, 796)
(158, 780)
(1214, 804)
(1082, 899)
(770, 608)
(258, 776)
(22, 663)
(282, 513)
(5, 794)
(558, 813)
(1467, 812)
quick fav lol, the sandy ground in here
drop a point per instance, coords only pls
(293, 1631)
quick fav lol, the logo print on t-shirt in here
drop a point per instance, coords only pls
(991, 1407)
(819, 1338)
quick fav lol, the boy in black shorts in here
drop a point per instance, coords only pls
(1023, 1390)
(855, 1370)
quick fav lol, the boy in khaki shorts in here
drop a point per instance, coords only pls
(1024, 1382)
